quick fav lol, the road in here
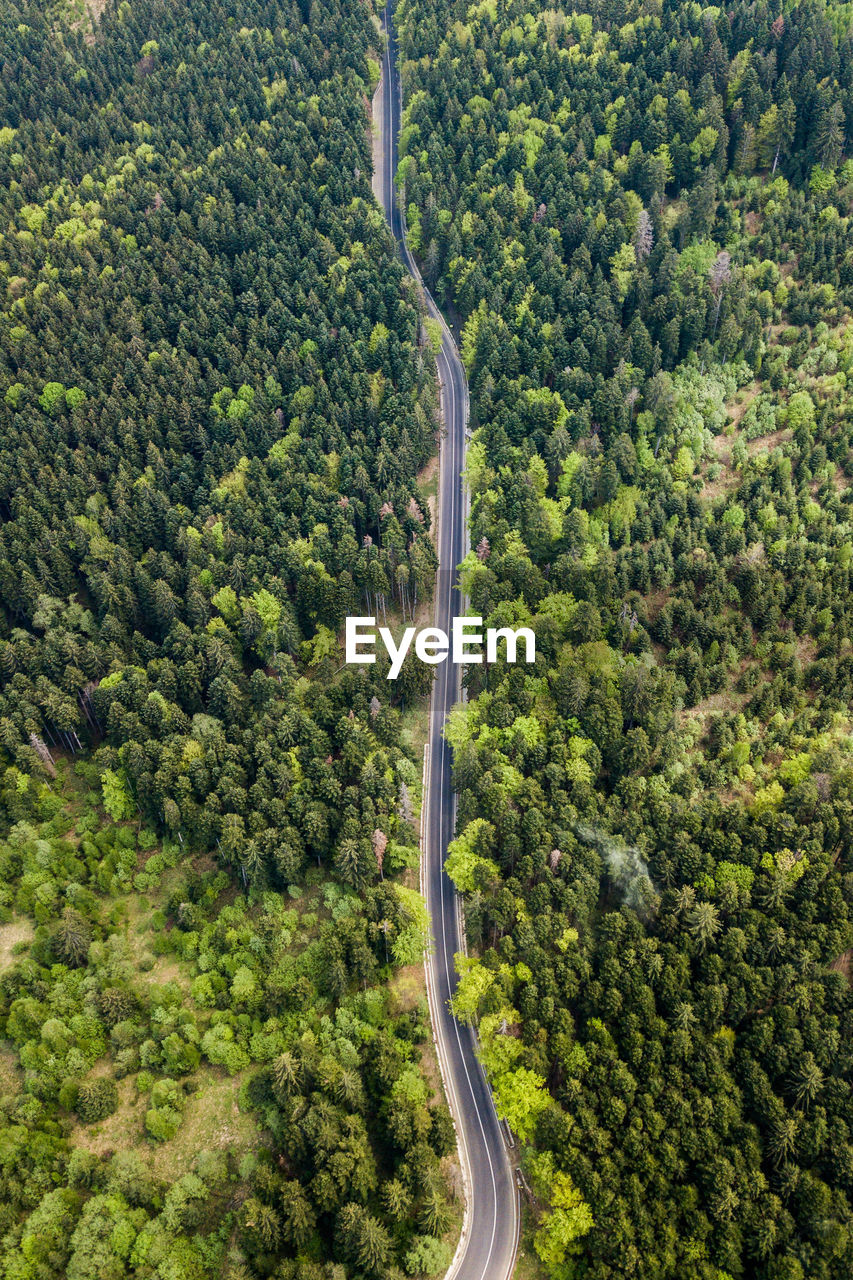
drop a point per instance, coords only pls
(489, 1240)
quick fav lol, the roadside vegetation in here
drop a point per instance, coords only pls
(216, 401)
(641, 215)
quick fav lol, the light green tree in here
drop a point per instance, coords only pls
(568, 1220)
(520, 1098)
(474, 981)
(118, 801)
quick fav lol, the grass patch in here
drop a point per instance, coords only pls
(14, 938)
(212, 1121)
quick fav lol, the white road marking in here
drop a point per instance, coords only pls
(446, 534)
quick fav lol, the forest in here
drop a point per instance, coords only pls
(216, 400)
(218, 409)
(639, 213)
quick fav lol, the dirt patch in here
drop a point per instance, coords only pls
(87, 15)
(727, 701)
(164, 971)
(11, 935)
(722, 444)
(725, 482)
(10, 1072)
(738, 405)
(841, 964)
(768, 442)
(806, 649)
(212, 1121)
(655, 601)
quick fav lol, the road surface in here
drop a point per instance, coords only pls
(490, 1234)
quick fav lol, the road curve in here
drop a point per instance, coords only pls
(489, 1240)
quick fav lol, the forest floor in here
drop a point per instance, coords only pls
(428, 484)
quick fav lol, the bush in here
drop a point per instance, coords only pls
(428, 1257)
(164, 1117)
(162, 1122)
(96, 1099)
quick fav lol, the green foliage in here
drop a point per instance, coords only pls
(116, 795)
(53, 394)
(215, 410)
(474, 982)
(566, 1222)
(653, 823)
(96, 1099)
(465, 864)
(428, 1257)
(520, 1099)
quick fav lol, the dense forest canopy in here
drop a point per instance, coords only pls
(215, 403)
(641, 215)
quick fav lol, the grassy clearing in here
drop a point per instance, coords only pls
(10, 1074)
(14, 938)
(213, 1121)
(122, 1131)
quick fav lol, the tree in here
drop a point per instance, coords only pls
(808, 1080)
(73, 937)
(704, 923)
(775, 132)
(720, 274)
(428, 1256)
(520, 1098)
(287, 1071)
(465, 864)
(298, 1222)
(474, 982)
(117, 799)
(644, 235)
(262, 1221)
(568, 1220)
(362, 1239)
(830, 135)
(96, 1099)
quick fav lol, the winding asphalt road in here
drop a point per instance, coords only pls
(489, 1240)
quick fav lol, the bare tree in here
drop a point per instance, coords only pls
(404, 808)
(43, 754)
(721, 274)
(380, 844)
(644, 236)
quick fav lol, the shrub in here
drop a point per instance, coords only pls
(96, 1099)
